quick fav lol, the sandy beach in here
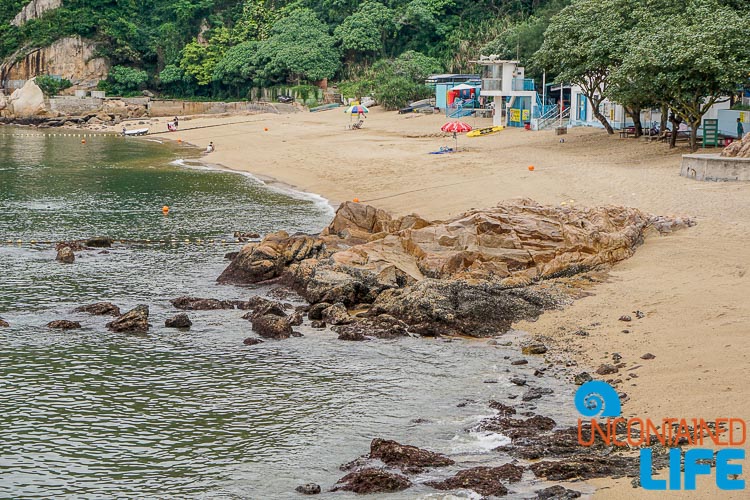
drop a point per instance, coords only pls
(691, 285)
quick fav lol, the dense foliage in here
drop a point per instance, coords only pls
(222, 48)
(51, 86)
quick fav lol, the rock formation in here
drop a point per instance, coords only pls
(65, 255)
(469, 274)
(3, 323)
(64, 324)
(372, 481)
(738, 149)
(181, 320)
(99, 309)
(133, 321)
(72, 58)
(26, 102)
(33, 10)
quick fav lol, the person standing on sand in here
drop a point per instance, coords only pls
(740, 129)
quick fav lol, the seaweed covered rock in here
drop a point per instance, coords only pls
(64, 324)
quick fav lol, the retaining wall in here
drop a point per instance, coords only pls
(187, 108)
(714, 167)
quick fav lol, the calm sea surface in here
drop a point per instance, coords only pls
(93, 414)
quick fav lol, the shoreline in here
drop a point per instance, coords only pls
(664, 278)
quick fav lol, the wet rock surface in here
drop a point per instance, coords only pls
(3, 323)
(372, 481)
(271, 326)
(181, 320)
(65, 255)
(202, 304)
(557, 492)
(64, 324)
(252, 341)
(407, 457)
(308, 489)
(383, 326)
(336, 315)
(133, 321)
(99, 309)
(484, 480)
(99, 242)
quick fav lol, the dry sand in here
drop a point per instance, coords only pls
(693, 285)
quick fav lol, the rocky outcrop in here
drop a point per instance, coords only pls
(133, 321)
(181, 320)
(271, 326)
(372, 481)
(467, 275)
(202, 304)
(99, 309)
(738, 149)
(33, 10)
(72, 58)
(3, 323)
(383, 326)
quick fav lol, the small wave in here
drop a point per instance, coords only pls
(478, 442)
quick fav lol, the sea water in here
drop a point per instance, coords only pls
(195, 414)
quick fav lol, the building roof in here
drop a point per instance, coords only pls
(451, 77)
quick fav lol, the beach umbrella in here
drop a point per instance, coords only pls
(356, 109)
(457, 128)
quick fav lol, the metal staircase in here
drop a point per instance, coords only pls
(552, 118)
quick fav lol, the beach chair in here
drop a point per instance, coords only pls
(357, 125)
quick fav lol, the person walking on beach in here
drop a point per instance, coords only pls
(740, 129)
(175, 123)
(210, 148)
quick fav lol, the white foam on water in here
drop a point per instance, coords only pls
(317, 199)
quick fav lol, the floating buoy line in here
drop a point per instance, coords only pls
(186, 241)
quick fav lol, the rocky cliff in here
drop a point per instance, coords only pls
(35, 9)
(738, 149)
(469, 274)
(72, 58)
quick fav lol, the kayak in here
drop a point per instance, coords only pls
(484, 131)
(138, 131)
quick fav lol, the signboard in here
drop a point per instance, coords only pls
(525, 115)
(515, 115)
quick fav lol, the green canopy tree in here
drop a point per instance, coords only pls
(239, 67)
(299, 48)
(689, 54)
(365, 31)
(583, 44)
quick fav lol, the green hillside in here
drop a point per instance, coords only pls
(256, 43)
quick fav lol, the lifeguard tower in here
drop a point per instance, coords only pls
(516, 99)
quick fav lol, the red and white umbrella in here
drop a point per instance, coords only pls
(456, 128)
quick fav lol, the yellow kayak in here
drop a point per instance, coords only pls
(484, 131)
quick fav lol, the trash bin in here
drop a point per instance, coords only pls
(527, 125)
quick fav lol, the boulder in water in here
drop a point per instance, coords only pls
(99, 242)
(99, 309)
(271, 326)
(336, 315)
(133, 321)
(66, 255)
(308, 489)
(181, 320)
(201, 304)
(64, 324)
(3, 323)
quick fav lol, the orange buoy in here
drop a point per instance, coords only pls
(179, 141)
(165, 209)
(83, 141)
(265, 129)
(356, 200)
(531, 168)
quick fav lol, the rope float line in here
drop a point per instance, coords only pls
(187, 241)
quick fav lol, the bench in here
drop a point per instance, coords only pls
(627, 132)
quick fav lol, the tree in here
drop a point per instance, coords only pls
(396, 82)
(583, 44)
(366, 30)
(52, 86)
(299, 48)
(199, 60)
(690, 55)
(239, 67)
(124, 80)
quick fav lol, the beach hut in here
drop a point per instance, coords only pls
(443, 82)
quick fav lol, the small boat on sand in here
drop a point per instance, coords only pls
(138, 131)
